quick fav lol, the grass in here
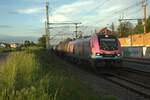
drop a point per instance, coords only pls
(5, 50)
(36, 74)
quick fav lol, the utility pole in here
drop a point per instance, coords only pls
(113, 27)
(120, 28)
(145, 14)
(45, 36)
(76, 30)
(120, 21)
(47, 25)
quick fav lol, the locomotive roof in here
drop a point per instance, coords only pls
(105, 31)
(109, 36)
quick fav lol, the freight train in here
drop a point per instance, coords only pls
(100, 50)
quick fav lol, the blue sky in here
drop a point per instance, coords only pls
(26, 17)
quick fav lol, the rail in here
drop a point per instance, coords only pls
(137, 60)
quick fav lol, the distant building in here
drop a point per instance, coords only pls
(2, 45)
(106, 31)
(13, 45)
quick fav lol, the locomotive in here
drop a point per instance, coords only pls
(100, 50)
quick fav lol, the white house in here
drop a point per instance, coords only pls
(13, 45)
(2, 45)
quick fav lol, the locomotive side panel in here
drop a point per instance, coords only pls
(87, 49)
(94, 45)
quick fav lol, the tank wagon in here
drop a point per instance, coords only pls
(100, 49)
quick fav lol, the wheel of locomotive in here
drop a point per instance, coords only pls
(71, 59)
(93, 65)
(79, 61)
(75, 60)
(96, 68)
(119, 64)
(108, 65)
(86, 64)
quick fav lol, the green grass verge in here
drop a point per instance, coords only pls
(4, 50)
(38, 75)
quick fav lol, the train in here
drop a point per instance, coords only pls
(102, 49)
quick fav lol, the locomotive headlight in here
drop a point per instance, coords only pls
(97, 54)
(118, 55)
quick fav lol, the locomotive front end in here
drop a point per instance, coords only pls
(106, 50)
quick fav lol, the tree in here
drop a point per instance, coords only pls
(125, 29)
(139, 28)
(26, 43)
(148, 24)
(42, 41)
(7, 45)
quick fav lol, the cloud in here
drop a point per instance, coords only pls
(59, 18)
(75, 7)
(81, 10)
(93, 11)
(34, 1)
(33, 10)
(69, 12)
(5, 26)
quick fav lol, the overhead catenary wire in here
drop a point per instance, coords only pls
(99, 6)
(129, 7)
(134, 13)
(121, 10)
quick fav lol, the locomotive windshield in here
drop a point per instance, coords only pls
(108, 43)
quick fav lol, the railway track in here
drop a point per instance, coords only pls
(145, 59)
(133, 84)
(137, 60)
(137, 84)
(125, 83)
(135, 71)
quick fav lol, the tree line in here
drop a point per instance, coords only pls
(126, 28)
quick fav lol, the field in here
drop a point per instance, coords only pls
(36, 74)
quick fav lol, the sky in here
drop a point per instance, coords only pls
(26, 17)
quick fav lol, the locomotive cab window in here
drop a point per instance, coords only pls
(108, 43)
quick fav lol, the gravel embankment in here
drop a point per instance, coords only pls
(137, 66)
(101, 86)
